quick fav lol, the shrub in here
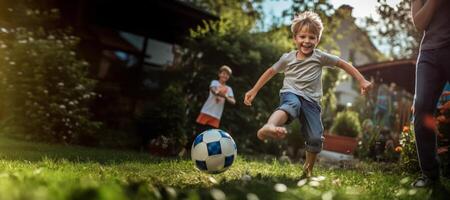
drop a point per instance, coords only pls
(409, 160)
(44, 86)
(408, 156)
(347, 124)
(166, 120)
(367, 139)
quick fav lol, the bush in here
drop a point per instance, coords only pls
(367, 139)
(166, 120)
(347, 124)
(44, 86)
(409, 160)
(408, 156)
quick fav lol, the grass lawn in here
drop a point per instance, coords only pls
(42, 171)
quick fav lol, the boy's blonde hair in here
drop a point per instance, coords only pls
(226, 69)
(309, 19)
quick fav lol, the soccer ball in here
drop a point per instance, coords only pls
(213, 151)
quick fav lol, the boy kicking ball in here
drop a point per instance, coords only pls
(302, 87)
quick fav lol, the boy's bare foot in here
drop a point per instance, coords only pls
(271, 131)
(307, 173)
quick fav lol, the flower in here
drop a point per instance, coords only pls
(79, 87)
(398, 149)
(406, 129)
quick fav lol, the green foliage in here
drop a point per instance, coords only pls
(367, 139)
(346, 124)
(168, 117)
(44, 84)
(329, 108)
(395, 29)
(408, 156)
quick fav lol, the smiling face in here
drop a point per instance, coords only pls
(223, 76)
(305, 40)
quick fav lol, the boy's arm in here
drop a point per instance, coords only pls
(422, 13)
(364, 84)
(266, 76)
(230, 99)
(216, 92)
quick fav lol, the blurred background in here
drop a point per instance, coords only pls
(134, 74)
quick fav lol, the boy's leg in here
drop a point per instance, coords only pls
(312, 127)
(273, 128)
(430, 80)
(309, 164)
(289, 108)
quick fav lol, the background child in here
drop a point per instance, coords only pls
(302, 86)
(219, 92)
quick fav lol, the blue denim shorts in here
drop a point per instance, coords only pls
(309, 114)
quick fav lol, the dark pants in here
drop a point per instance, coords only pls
(432, 72)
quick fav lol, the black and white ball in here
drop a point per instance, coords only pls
(213, 151)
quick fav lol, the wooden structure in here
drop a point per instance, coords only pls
(401, 72)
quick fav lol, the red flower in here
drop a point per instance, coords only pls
(406, 129)
(398, 149)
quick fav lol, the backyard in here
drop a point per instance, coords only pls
(101, 100)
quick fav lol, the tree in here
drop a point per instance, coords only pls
(396, 29)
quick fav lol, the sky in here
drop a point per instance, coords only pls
(361, 9)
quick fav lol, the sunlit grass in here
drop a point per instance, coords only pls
(41, 171)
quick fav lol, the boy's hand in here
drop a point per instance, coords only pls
(365, 86)
(249, 96)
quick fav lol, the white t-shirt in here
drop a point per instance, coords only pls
(214, 104)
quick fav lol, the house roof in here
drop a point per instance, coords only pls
(362, 40)
(401, 72)
(165, 20)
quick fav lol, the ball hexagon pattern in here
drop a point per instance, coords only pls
(213, 151)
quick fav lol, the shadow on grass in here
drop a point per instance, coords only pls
(440, 191)
(262, 187)
(19, 150)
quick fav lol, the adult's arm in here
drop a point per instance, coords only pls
(423, 12)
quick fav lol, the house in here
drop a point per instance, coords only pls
(356, 47)
(130, 46)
